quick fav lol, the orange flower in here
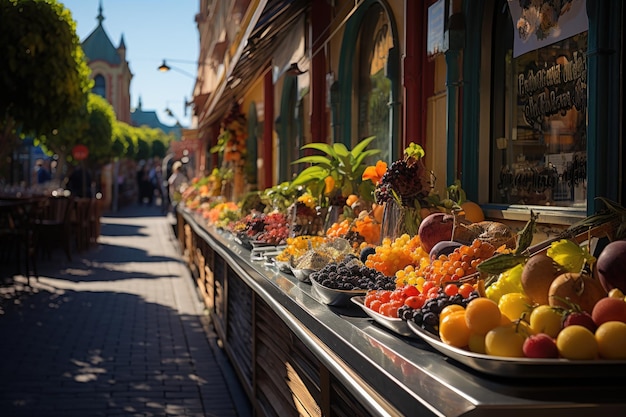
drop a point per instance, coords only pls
(375, 173)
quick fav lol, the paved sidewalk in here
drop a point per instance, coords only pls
(119, 331)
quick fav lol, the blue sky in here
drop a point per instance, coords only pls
(153, 31)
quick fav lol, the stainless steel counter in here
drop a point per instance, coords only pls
(395, 375)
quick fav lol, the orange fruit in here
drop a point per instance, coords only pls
(482, 314)
(453, 329)
(473, 212)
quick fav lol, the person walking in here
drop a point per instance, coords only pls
(176, 182)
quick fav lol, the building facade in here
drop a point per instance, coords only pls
(519, 100)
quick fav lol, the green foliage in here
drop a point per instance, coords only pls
(280, 196)
(99, 135)
(140, 142)
(345, 166)
(44, 78)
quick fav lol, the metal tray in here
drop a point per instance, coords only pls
(283, 266)
(334, 297)
(396, 325)
(302, 274)
(524, 367)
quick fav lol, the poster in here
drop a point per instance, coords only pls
(539, 23)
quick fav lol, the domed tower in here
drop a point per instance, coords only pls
(109, 69)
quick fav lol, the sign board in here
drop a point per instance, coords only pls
(80, 152)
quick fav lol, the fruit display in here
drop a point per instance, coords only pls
(270, 228)
(470, 283)
(297, 246)
(350, 274)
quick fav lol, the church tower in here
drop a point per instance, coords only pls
(109, 69)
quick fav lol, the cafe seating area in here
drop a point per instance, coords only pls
(52, 226)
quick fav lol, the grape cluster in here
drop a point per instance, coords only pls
(350, 274)
(404, 177)
(427, 317)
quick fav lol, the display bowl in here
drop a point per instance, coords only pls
(335, 297)
(302, 274)
(395, 324)
(283, 266)
(524, 367)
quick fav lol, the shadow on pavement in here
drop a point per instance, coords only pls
(78, 354)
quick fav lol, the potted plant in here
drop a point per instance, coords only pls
(337, 173)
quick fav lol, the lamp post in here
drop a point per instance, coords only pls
(165, 67)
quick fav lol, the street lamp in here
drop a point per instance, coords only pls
(165, 68)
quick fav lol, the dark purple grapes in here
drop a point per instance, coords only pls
(350, 274)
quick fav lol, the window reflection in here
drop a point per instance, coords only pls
(374, 88)
(538, 141)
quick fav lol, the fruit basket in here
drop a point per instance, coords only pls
(523, 367)
(396, 325)
(335, 297)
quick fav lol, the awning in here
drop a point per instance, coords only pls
(267, 35)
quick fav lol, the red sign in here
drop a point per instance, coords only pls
(80, 152)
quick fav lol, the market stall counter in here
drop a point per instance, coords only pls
(297, 355)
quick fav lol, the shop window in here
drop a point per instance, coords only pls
(539, 119)
(99, 86)
(372, 86)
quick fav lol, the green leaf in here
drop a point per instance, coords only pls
(500, 263)
(359, 147)
(314, 159)
(345, 164)
(346, 190)
(359, 160)
(312, 173)
(322, 147)
(341, 150)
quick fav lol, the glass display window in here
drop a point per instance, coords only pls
(539, 121)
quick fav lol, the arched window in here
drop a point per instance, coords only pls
(99, 86)
(368, 102)
(372, 87)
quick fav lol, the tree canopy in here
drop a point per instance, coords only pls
(44, 78)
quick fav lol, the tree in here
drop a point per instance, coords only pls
(99, 135)
(44, 78)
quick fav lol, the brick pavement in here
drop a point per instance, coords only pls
(119, 331)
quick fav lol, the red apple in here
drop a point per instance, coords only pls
(435, 228)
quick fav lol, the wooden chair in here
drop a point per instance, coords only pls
(19, 236)
(54, 228)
